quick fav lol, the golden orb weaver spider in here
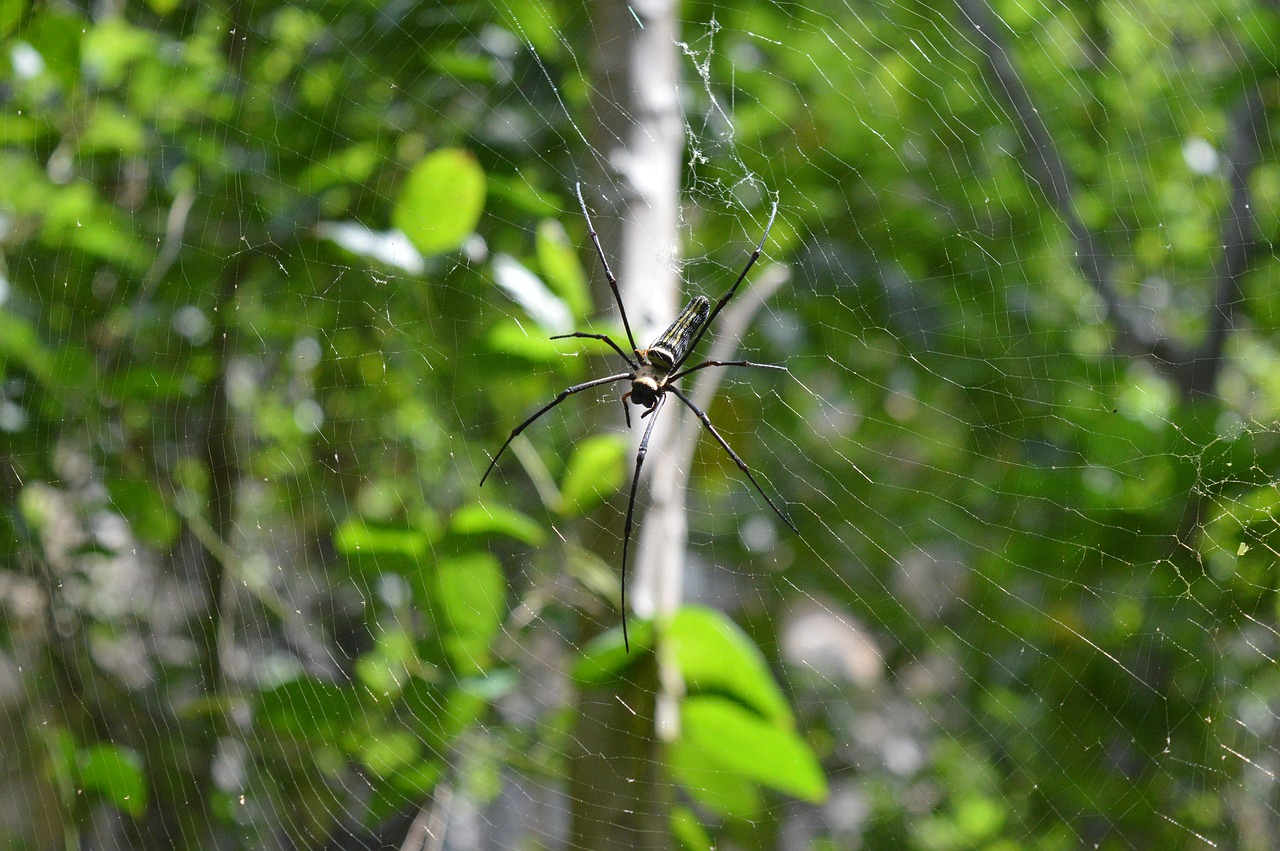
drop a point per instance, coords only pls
(654, 371)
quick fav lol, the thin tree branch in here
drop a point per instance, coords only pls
(1046, 167)
(1239, 240)
(1195, 369)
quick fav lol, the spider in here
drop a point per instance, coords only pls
(653, 374)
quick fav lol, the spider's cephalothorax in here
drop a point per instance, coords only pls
(654, 373)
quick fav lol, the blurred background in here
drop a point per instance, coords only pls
(277, 281)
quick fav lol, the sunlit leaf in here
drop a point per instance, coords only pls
(605, 657)
(560, 265)
(469, 601)
(714, 655)
(388, 752)
(688, 831)
(359, 537)
(597, 468)
(727, 793)
(116, 773)
(10, 15)
(387, 667)
(510, 337)
(440, 714)
(64, 370)
(489, 519)
(722, 733)
(441, 201)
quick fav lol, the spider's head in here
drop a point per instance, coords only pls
(644, 389)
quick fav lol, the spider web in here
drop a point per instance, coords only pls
(257, 597)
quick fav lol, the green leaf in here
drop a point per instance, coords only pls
(416, 780)
(10, 15)
(149, 515)
(533, 200)
(488, 519)
(309, 708)
(359, 537)
(65, 371)
(688, 831)
(116, 773)
(725, 793)
(388, 752)
(509, 337)
(163, 7)
(386, 668)
(606, 657)
(716, 732)
(441, 201)
(469, 600)
(561, 268)
(439, 716)
(597, 469)
(714, 656)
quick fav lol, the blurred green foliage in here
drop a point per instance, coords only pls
(254, 359)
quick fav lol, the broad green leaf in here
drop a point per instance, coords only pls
(65, 371)
(388, 752)
(386, 668)
(349, 165)
(150, 516)
(416, 780)
(725, 793)
(10, 15)
(714, 655)
(74, 216)
(359, 537)
(163, 7)
(688, 831)
(56, 33)
(440, 202)
(116, 773)
(720, 732)
(442, 714)
(111, 130)
(469, 601)
(597, 469)
(112, 48)
(509, 337)
(309, 708)
(562, 269)
(61, 758)
(489, 519)
(606, 657)
(538, 23)
(518, 193)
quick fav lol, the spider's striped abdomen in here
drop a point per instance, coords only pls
(673, 344)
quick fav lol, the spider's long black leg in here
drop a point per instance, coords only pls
(626, 412)
(608, 273)
(724, 299)
(631, 513)
(606, 338)
(706, 364)
(564, 394)
(742, 465)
